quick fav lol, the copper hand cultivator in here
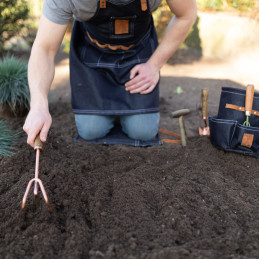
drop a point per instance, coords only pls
(37, 146)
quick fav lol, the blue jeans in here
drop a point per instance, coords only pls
(137, 126)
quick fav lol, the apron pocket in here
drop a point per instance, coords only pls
(89, 55)
(246, 139)
(221, 132)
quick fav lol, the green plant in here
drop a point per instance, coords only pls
(66, 45)
(225, 5)
(14, 90)
(162, 17)
(7, 139)
(13, 13)
(242, 5)
(193, 39)
(30, 32)
(210, 5)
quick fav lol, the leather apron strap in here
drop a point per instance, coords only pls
(102, 3)
(143, 5)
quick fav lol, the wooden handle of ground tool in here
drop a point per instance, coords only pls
(249, 99)
(204, 98)
(37, 143)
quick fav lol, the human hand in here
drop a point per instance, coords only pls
(144, 78)
(38, 121)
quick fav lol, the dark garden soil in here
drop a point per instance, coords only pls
(118, 201)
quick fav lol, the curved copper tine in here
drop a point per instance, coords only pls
(36, 172)
(36, 180)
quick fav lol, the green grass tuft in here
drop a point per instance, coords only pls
(7, 139)
(14, 89)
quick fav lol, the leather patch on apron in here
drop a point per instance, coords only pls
(121, 26)
(247, 140)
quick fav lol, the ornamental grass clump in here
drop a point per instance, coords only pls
(14, 89)
(7, 139)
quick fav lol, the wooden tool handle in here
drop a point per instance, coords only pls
(178, 113)
(249, 99)
(204, 97)
(37, 143)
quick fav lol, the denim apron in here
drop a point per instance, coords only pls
(103, 51)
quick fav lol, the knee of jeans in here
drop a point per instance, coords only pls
(142, 126)
(89, 133)
(141, 133)
(89, 130)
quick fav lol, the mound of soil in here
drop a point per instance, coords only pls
(118, 201)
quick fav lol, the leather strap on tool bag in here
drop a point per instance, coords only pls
(229, 129)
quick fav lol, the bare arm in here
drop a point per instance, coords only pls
(41, 70)
(144, 77)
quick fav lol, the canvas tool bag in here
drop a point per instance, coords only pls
(236, 127)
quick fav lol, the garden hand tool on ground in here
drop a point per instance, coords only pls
(249, 103)
(179, 114)
(204, 96)
(37, 146)
(182, 137)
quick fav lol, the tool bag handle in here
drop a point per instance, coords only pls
(249, 99)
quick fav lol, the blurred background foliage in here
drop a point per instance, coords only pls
(163, 15)
(242, 7)
(13, 15)
(19, 19)
(226, 5)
